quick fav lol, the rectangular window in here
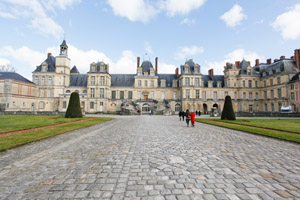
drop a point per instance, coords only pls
(204, 95)
(36, 80)
(272, 107)
(272, 94)
(265, 84)
(42, 93)
(91, 105)
(49, 93)
(271, 81)
(279, 93)
(266, 95)
(49, 80)
(92, 80)
(187, 81)
(266, 107)
(152, 83)
(101, 93)
(235, 96)
(226, 94)
(41, 105)
(139, 95)
(244, 95)
(43, 80)
(151, 95)
(197, 94)
(162, 83)
(92, 92)
(292, 95)
(279, 107)
(278, 80)
(292, 86)
(250, 83)
(197, 82)
(162, 95)
(256, 84)
(113, 94)
(174, 95)
(174, 83)
(121, 94)
(102, 80)
(82, 104)
(139, 83)
(215, 96)
(146, 83)
(256, 95)
(250, 96)
(244, 83)
(64, 104)
(129, 94)
(187, 94)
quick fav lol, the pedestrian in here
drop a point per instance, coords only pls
(187, 117)
(196, 112)
(150, 112)
(180, 113)
(193, 119)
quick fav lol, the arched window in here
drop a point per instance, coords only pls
(68, 91)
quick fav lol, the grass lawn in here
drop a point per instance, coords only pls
(25, 122)
(292, 125)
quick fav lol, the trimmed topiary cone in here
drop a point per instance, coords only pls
(228, 113)
(74, 110)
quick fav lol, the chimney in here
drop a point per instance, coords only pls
(275, 60)
(256, 62)
(237, 63)
(297, 58)
(177, 72)
(156, 65)
(293, 57)
(211, 74)
(227, 63)
(249, 63)
(282, 57)
(138, 62)
(269, 61)
(49, 54)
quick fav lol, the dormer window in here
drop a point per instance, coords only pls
(174, 83)
(163, 83)
(102, 67)
(197, 69)
(186, 69)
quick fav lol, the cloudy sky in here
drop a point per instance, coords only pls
(211, 32)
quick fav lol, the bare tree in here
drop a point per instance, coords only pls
(7, 68)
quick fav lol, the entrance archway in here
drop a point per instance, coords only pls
(146, 108)
(177, 108)
(204, 108)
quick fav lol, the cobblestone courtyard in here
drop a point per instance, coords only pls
(152, 157)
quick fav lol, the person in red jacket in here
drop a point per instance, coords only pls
(193, 119)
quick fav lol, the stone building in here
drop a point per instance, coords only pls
(264, 87)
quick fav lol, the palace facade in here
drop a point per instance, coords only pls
(264, 87)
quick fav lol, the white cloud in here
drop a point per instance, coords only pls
(175, 7)
(144, 11)
(234, 16)
(148, 48)
(134, 10)
(164, 68)
(35, 11)
(4, 61)
(236, 55)
(25, 55)
(288, 23)
(188, 21)
(125, 65)
(186, 52)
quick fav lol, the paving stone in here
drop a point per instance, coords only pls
(152, 157)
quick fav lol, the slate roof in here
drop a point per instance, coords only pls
(14, 76)
(74, 70)
(217, 78)
(51, 65)
(78, 80)
(168, 77)
(125, 80)
(285, 65)
(64, 43)
(146, 66)
(243, 67)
